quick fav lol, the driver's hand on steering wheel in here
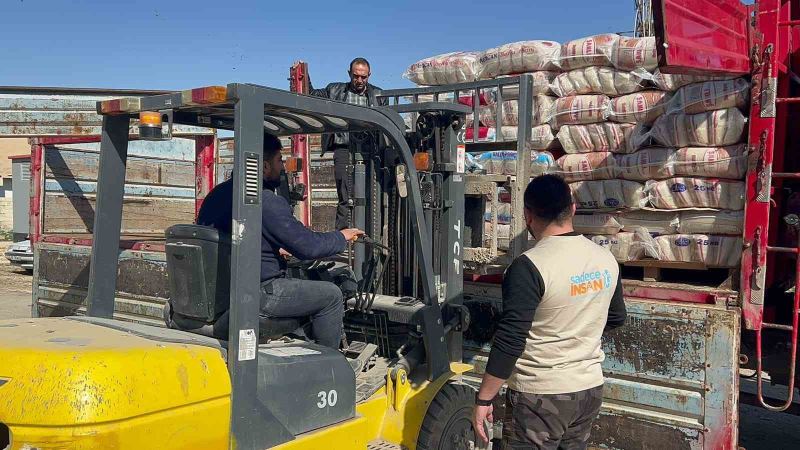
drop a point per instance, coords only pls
(351, 234)
(284, 253)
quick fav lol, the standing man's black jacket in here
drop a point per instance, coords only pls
(338, 92)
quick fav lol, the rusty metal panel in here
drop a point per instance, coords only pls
(159, 192)
(671, 372)
(701, 36)
(37, 112)
(671, 376)
(63, 276)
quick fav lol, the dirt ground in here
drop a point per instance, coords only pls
(15, 288)
(759, 429)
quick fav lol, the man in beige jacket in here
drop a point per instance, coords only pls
(558, 298)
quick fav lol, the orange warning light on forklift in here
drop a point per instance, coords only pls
(293, 165)
(422, 161)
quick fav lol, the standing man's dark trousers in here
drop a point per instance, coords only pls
(341, 159)
(550, 421)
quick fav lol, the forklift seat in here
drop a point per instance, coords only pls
(198, 268)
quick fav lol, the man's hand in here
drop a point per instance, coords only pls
(284, 253)
(481, 414)
(351, 234)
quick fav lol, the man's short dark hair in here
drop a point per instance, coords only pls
(272, 145)
(359, 60)
(549, 198)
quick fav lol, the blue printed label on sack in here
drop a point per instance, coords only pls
(682, 242)
(612, 202)
(678, 187)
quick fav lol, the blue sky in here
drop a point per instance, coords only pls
(184, 44)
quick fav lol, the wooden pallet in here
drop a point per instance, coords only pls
(655, 270)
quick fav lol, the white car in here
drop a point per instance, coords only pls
(20, 254)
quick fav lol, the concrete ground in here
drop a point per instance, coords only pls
(759, 428)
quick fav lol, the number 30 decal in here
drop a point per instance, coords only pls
(327, 399)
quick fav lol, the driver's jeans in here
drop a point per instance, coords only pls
(321, 301)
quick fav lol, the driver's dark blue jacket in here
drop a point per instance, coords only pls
(279, 229)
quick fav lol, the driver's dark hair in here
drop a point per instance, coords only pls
(548, 198)
(272, 145)
(359, 60)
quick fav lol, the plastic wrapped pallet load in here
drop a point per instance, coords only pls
(711, 222)
(449, 68)
(715, 162)
(597, 80)
(541, 137)
(709, 96)
(589, 51)
(579, 109)
(717, 251)
(673, 82)
(654, 163)
(597, 137)
(596, 224)
(652, 222)
(608, 194)
(519, 57)
(710, 129)
(685, 192)
(641, 107)
(542, 84)
(587, 166)
(504, 162)
(541, 106)
(627, 246)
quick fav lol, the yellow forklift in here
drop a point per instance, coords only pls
(222, 376)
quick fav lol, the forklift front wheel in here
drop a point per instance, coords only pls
(448, 422)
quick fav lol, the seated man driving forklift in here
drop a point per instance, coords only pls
(282, 296)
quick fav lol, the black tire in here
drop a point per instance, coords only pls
(448, 423)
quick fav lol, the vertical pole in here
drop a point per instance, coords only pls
(204, 168)
(35, 227)
(519, 232)
(452, 234)
(359, 214)
(298, 82)
(108, 216)
(252, 425)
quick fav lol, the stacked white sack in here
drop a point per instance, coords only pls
(519, 57)
(608, 194)
(653, 222)
(628, 246)
(719, 251)
(597, 137)
(597, 80)
(579, 110)
(599, 224)
(587, 166)
(449, 68)
(684, 192)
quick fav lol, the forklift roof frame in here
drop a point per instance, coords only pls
(249, 110)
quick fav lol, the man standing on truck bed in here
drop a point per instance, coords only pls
(357, 92)
(281, 296)
(558, 298)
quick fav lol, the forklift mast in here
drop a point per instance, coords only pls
(250, 110)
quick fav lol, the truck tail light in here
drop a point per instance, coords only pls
(205, 96)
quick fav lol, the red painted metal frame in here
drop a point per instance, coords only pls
(204, 168)
(702, 36)
(298, 82)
